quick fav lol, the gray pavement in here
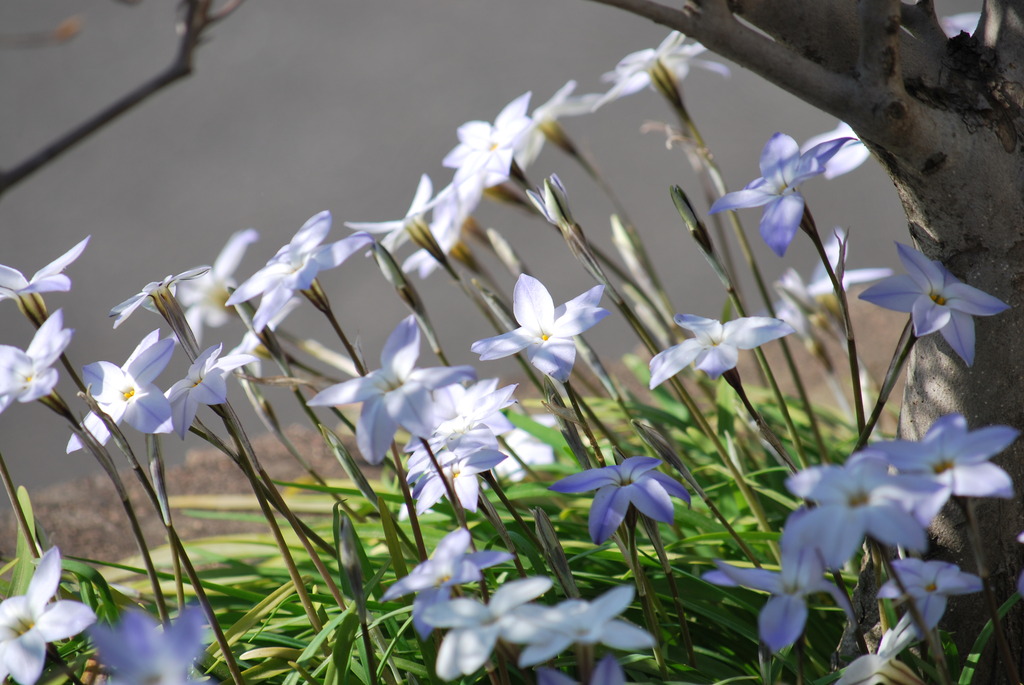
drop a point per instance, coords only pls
(301, 106)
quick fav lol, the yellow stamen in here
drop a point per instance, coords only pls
(937, 299)
(128, 394)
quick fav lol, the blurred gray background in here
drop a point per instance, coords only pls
(301, 106)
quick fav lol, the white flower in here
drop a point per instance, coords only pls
(205, 384)
(545, 118)
(29, 375)
(577, 621)
(127, 392)
(433, 580)
(546, 332)
(486, 150)
(295, 266)
(397, 232)
(204, 298)
(633, 72)
(50, 278)
(882, 667)
(715, 347)
(142, 298)
(29, 621)
(475, 628)
(397, 394)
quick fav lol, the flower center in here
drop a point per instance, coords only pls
(937, 298)
(931, 587)
(942, 466)
(544, 336)
(858, 499)
(128, 394)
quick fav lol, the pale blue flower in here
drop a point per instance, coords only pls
(633, 482)
(783, 617)
(433, 580)
(851, 155)
(206, 383)
(783, 168)
(397, 394)
(929, 583)
(857, 499)
(29, 375)
(546, 332)
(29, 621)
(956, 459)
(552, 630)
(633, 72)
(936, 300)
(138, 652)
(607, 671)
(801, 300)
(204, 298)
(545, 117)
(476, 628)
(295, 266)
(715, 346)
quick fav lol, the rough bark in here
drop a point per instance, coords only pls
(944, 117)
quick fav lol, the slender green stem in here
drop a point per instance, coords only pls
(576, 401)
(966, 504)
(906, 343)
(19, 512)
(733, 378)
(811, 229)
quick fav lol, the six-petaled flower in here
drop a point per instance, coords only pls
(546, 332)
(783, 168)
(936, 300)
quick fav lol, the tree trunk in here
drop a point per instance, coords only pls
(944, 118)
(967, 211)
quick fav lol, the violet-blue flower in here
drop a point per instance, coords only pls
(138, 652)
(929, 583)
(783, 168)
(633, 482)
(936, 300)
(783, 617)
(956, 459)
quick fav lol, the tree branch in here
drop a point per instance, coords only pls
(879, 58)
(920, 19)
(896, 124)
(196, 19)
(1002, 28)
(715, 27)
